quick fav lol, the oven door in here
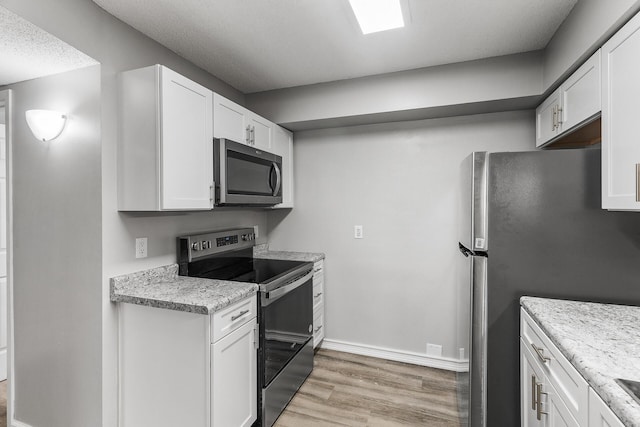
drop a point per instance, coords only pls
(286, 324)
(245, 175)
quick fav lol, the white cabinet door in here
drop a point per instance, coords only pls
(580, 94)
(283, 146)
(556, 412)
(165, 142)
(620, 106)
(547, 126)
(530, 377)
(230, 120)
(599, 413)
(234, 378)
(260, 131)
(187, 143)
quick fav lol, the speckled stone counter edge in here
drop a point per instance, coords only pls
(623, 405)
(262, 251)
(161, 287)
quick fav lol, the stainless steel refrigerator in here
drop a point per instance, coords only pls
(532, 225)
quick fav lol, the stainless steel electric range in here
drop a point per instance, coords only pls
(285, 309)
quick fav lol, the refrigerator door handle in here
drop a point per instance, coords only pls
(466, 252)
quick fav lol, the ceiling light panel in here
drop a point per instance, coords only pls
(377, 15)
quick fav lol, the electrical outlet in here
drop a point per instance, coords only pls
(434, 350)
(461, 353)
(358, 232)
(141, 247)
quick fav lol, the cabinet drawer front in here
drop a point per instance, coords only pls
(318, 294)
(570, 386)
(231, 318)
(318, 325)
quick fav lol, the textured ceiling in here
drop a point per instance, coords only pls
(28, 52)
(257, 45)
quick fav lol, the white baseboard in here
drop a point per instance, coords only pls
(16, 423)
(446, 363)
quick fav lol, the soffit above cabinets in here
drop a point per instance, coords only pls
(258, 45)
(29, 52)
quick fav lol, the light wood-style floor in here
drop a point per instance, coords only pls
(350, 390)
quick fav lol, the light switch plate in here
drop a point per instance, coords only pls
(358, 232)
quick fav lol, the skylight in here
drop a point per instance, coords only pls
(377, 15)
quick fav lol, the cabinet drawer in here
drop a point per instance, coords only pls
(231, 318)
(565, 379)
(318, 325)
(318, 295)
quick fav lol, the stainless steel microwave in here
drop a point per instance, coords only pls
(245, 175)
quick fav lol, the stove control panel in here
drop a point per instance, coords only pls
(201, 245)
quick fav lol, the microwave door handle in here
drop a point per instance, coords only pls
(278, 178)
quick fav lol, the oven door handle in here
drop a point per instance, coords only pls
(279, 292)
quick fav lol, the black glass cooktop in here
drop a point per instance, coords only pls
(243, 268)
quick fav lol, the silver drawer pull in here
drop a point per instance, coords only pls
(533, 392)
(317, 329)
(540, 353)
(317, 295)
(237, 316)
(539, 411)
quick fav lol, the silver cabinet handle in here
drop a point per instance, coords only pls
(239, 315)
(637, 182)
(553, 118)
(317, 295)
(317, 329)
(253, 135)
(539, 411)
(247, 138)
(540, 353)
(533, 392)
(559, 116)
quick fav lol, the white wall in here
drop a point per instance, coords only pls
(440, 91)
(396, 287)
(588, 26)
(57, 254)
(118, 47)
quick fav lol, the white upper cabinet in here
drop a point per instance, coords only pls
(165, 142)
(283, 146)
(233, 121)
(580, 94)
(576, 102)
(547, 127)
(229, 120)
(620, 124)
(260, 131)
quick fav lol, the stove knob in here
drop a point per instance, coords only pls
(244, 237)
(195, 246)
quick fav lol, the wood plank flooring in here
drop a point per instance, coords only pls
(350, 390)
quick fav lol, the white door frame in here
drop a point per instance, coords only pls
(6, 102)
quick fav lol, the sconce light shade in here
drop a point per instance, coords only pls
(45, 124)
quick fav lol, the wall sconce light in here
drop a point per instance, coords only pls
(45, 124)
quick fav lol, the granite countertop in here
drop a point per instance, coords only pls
(162, 287)
(602, 341)
(262, 251)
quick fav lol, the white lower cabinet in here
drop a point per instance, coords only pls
(184, 369)
(599, 413)
(553, 393)
(318, 303)
(234, 367)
